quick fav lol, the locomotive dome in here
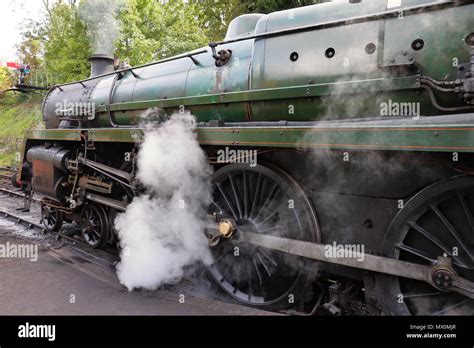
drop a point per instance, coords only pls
(243, 25)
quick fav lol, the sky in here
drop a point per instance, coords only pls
(12, 14)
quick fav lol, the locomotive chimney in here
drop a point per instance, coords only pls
(101, 64)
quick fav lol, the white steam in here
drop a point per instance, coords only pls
(103, 27)
(161, 231)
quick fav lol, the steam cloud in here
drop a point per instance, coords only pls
(161, 231)
(103, 27)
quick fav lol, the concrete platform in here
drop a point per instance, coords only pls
(62, 283)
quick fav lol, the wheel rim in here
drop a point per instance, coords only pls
(435, 222)
(93, 225)
(51, 218)
(257, 199)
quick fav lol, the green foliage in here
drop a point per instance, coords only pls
(31, 46)
(6, 79)
(215, 16)
(268, 6)
(15, 119)
(152, 31)
(66, 46)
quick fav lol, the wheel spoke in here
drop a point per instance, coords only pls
(226, 268)
(451, 307)
(236, 196)
(246, 194)
(217, 206)
(415, 295)
(451, 229)
(256, 196)
(267, 269)
(249, 282)
(221, 190)
(269, 200)
(284, 226)
(271, 215)
(268, 257)
(259, 276)
(434, 240)
(223, 254)
(467, 211)
(95, 219)
(416, 252)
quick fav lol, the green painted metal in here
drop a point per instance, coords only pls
(440, 138)
(53, 134)
(285, 74)
(349, 87)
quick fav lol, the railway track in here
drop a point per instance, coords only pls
(5, 175)
(106, 257)
(101, 263)
(5, 191)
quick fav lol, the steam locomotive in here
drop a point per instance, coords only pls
(362, 116)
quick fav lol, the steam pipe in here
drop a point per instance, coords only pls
(121, 71)
(441, 83)
(442, 108)
(438, 88)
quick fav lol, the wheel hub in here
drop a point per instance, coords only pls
(227, 228)
(442, 274)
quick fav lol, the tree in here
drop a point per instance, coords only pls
(6, 79)
(152, 30)
(29, 51)
(215, 16)
(66, 46)
(268, 6)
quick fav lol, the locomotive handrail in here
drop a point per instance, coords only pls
(354, 20)
(181, 56)
(303, 91)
